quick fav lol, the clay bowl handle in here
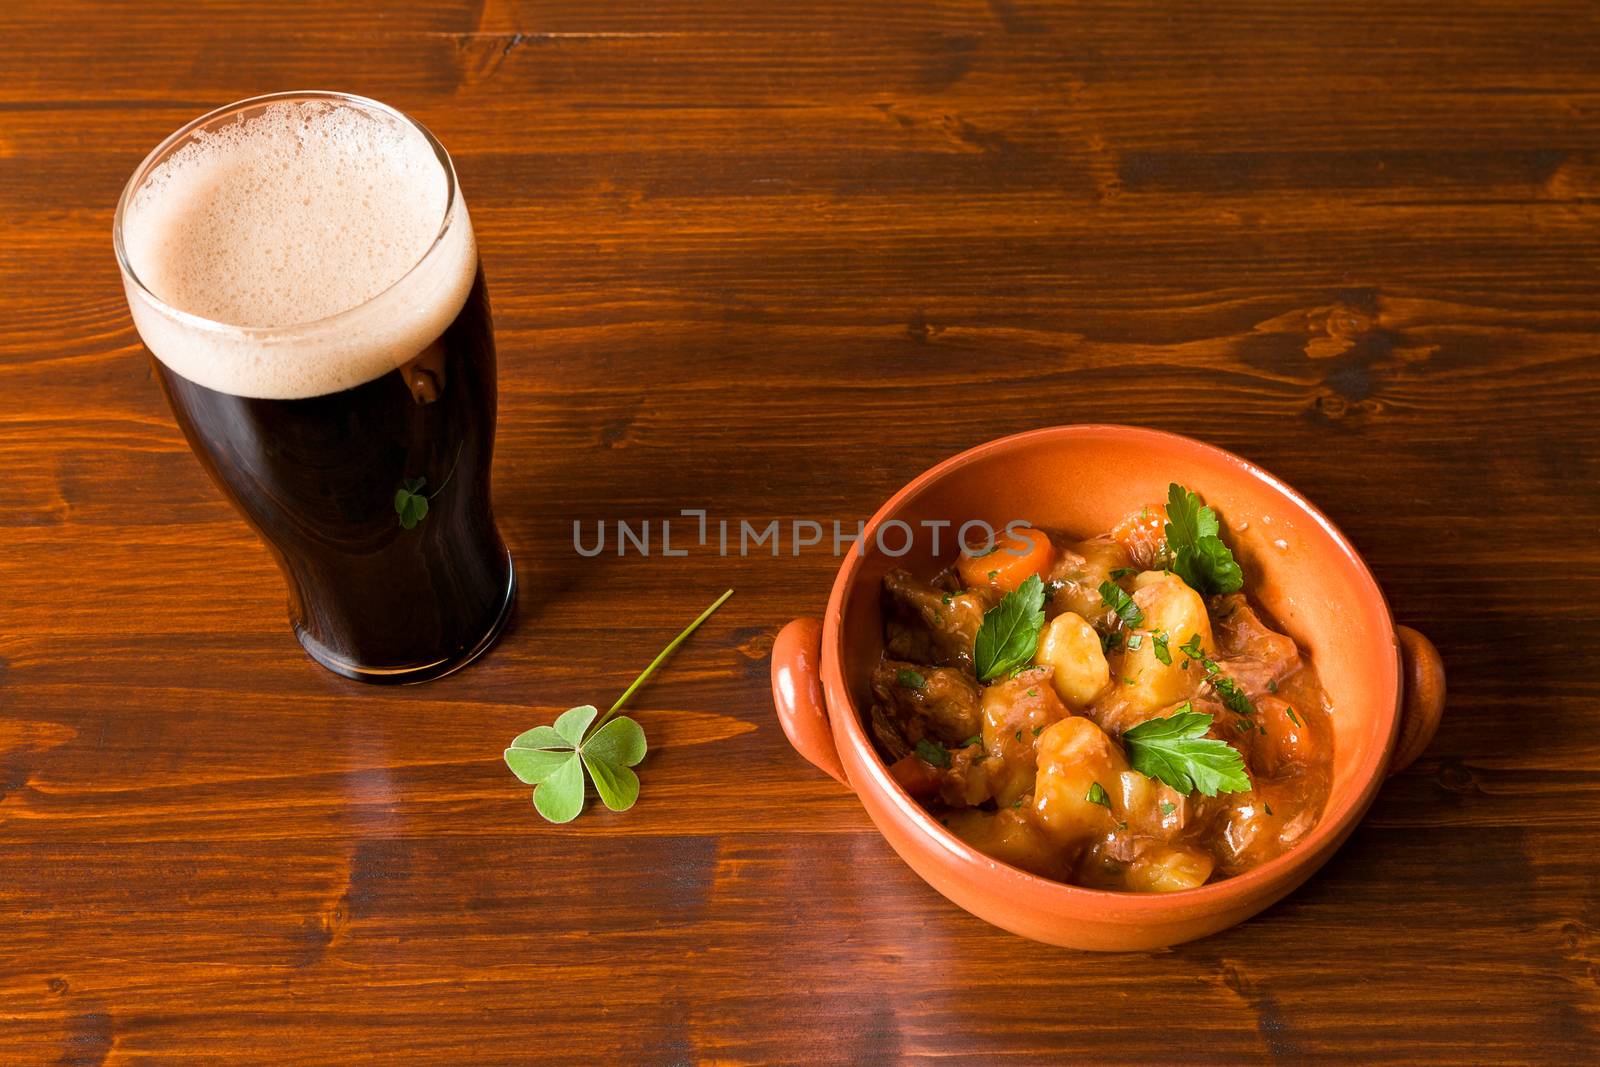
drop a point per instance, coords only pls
(1422, 699)
(797, 694)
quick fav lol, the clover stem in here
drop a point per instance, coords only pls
(449, 474)
(660, 659)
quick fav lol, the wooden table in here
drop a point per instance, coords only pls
(773, 260)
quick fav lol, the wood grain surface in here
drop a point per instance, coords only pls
(773, 260)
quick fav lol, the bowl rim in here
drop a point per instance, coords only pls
(1047, 894)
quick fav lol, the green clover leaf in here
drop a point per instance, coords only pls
(560, 798)
(553, 758)
(411, 503)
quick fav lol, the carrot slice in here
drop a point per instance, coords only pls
(1011, 562)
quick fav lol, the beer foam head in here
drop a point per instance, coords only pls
(295, 249)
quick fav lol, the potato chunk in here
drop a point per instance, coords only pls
(1074, 756)
(1072, 647)
(1015, 712)
(1010, 837)
(1172, 609)
(1167, 868)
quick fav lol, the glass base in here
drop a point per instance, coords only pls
(422, 672)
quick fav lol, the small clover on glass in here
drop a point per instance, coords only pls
(553, 759)
(411, 503)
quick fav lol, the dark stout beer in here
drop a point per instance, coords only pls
(304, 274)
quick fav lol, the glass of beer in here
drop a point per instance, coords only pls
(303, 272)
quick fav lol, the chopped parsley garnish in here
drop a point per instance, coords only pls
(932, 753)
(1019, 735)
(1037, 730)
(1009, 635)
(945, 600)
(1268, 808)
(1168, 807)
(1135, 642)
(1177, 751)
(910, 679)
(992, 575)
(1097, 795)
(1113, 597)
(1292, 716)
(1123, 572)
(1272, 686)
(1230, 692)
(1158, 644)
(975, 739)
(1111, 641)
(1199, 555)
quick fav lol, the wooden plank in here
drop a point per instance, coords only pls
(774, 260)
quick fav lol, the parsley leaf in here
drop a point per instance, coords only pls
(1112, 596)
(553, 759)
(1168, 807)
(1158, 644)
(932, 753)
(1199, 555)
(1123, 572)
(975, 739)
(1292, 716)
(1009, 635)
(1177, 751)
(1097, 795)
(1230, 692)
(910, 679)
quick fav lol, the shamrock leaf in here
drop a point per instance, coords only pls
(574, 721)
(553, 759)
(560, 798)
(610, 753)
(411, 503)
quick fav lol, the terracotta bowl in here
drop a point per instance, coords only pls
(1385, 682)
